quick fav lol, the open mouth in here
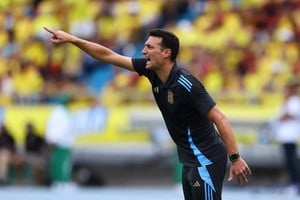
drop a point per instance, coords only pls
(148, 61)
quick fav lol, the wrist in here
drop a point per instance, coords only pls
(74, 39)
(234, 157)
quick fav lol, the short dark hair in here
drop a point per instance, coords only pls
(169, 40)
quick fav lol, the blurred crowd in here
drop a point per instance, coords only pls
(241, 50)
(45, 156)
(25, 166)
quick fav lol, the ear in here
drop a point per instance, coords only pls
(167, 53)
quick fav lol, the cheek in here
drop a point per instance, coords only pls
(159, 59)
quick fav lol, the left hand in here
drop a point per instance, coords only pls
(240, 170)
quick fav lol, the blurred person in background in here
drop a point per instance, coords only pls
(8, 155)
(288, 131)
(7, 87)
(11, 49)
(59, 137)
(187, 108)
(36, 153)
(28, 83)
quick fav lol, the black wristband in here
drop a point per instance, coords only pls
(234, 157)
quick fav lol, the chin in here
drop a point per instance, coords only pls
(149, 67)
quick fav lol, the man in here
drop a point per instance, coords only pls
(7, 150)
(188, 110)
(36, 153)
(59, 136)
(8, 155)
(288, 131)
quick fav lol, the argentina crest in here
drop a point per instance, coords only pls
(170, 97)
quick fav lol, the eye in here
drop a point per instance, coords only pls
(149, 46)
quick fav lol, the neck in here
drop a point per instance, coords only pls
(164, 72)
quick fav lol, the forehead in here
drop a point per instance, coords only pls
(154, 41)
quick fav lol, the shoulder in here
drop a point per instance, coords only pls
(184, 73)
(187, 80)
(139, 64)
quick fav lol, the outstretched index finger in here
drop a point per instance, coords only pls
(49, 30)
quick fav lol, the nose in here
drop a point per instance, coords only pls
(144, 51)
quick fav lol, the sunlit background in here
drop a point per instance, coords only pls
(243, 51)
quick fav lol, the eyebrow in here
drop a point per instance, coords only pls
(148, 45)
(153, 45)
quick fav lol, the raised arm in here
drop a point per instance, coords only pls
(95, 50)
(239, 167)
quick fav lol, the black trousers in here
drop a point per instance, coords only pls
(204, 183)
(290, 156)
